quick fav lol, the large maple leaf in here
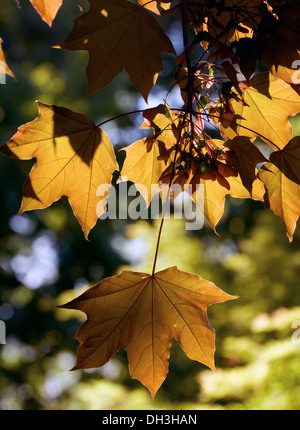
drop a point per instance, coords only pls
(281, 177)
(47, 9)
(143, 313)
(119, 34)
(266, 105)
(73, 158)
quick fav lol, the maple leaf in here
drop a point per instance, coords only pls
(4, 68)
(143, 167)
(47, 9)
(119, 34)
(73, 157)
(143, 313)
(210, 197)
(163, 122)
(263, 110)
(281, 177)
(147, 158)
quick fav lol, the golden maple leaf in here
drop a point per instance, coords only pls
(73, 156)
(143, 313)
(263, 111)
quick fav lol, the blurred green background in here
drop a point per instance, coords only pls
(45, 260)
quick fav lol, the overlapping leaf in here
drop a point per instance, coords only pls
(47, 9)
(73, 156)
(263, 111)
(145, 161)
(281, 177)
(210, 196)
(228, 19)
(143, 166)
(149, 164)
(209, 188)
(242, 12)
(248, 157)
(119, 34)
(143, 314)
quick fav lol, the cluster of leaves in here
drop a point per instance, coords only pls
(220, 87)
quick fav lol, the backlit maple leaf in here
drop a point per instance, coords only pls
(145, 162)
(143, 167)
(118, 34)
(210, 196)
(73, 158)
(144, 313)
(263, 110)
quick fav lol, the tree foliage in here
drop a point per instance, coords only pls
(232, 81)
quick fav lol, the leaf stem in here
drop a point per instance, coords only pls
(168, 194)
(159, 233)
(188, 112)
(184, 5)
(119, 116)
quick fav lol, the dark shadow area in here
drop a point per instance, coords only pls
(29, 192)
(287, 159)
(78, 131)
(261, 83)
